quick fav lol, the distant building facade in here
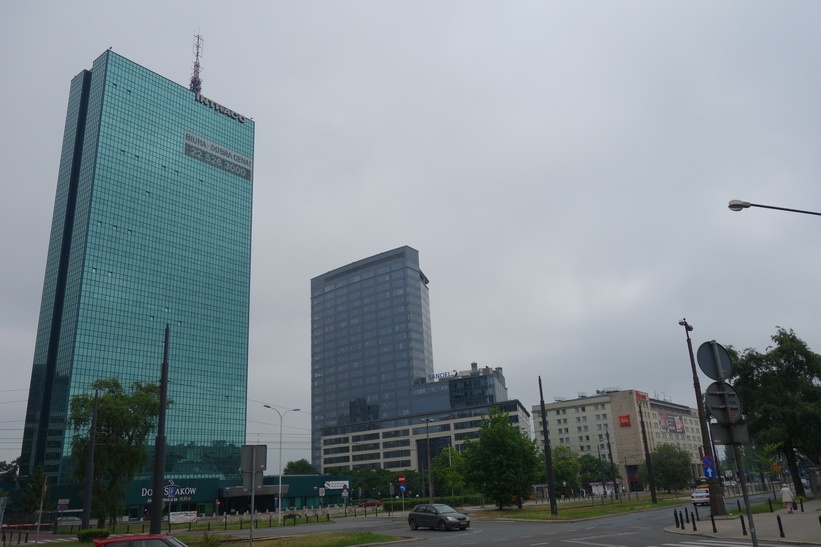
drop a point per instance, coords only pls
(448, 409)
(370, 338)
(609, 423)
(151, 227)
(376, 400)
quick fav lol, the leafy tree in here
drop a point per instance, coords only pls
(300, 467)
(448, 472)
(124, 422)
(8, 470)
(376, 482)
(594, 469)
(566, 469)
(781, 394)
(504, 462)
(30, 500)
(671, 467)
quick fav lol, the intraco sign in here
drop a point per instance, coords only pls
(218, 107)
(624, 421)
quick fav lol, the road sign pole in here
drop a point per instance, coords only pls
(716, 496)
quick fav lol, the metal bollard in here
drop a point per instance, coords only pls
(713, 520)
(801, 503)
(687, 517)
(681, 518)
(694, 524)
(738, 502)
(771, 504)
(675, 516)
(780, 526)
(743, 526)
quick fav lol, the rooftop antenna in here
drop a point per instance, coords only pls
(196, 81)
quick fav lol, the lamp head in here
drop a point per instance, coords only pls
(685, 324)
(737, 205)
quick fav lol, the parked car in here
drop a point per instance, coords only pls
(700, 496)
(140, 541)
(370, 503)
(69, 520)
(437, 515)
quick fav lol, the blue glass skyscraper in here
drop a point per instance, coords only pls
(151, 227)
(370, 338)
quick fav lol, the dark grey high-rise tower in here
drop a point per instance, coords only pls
(370, 337)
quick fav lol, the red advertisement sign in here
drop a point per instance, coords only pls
(624, 421)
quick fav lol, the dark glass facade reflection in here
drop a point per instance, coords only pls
(370, 337)
(151, 227)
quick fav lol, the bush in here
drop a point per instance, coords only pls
(90, 534)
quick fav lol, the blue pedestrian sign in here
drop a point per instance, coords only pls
(709, 471)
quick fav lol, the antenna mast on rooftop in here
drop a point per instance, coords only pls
(196, 81)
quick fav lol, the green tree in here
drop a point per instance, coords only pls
(375, 483)
(781, 394)
(8, 470)
(124, 422)
(448, 472)
(504, 462)
(30, 500)
(566, 469)
(671, 467)
(300, 467)
(594, 469)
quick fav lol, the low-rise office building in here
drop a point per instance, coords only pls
(609, 424)
(447, 409)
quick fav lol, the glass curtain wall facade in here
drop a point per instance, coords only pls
(151, 227)
(370, 337)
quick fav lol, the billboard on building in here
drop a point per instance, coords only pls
(671, 423)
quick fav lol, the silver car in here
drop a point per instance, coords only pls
(437, 515)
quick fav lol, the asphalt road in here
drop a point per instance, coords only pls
(637, 529)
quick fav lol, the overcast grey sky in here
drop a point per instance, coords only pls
(563, 168)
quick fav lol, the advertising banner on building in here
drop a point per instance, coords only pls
(671, 423)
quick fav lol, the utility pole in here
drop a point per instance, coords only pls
(716, 496)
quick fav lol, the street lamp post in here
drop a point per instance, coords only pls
(279, 494)
(738, 205)
(427, 437)
(716, 496)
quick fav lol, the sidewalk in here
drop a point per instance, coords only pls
(798, 528)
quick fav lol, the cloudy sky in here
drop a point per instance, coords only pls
(563, 168)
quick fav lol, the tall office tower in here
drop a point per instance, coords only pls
(151, 227)
(370, 337)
